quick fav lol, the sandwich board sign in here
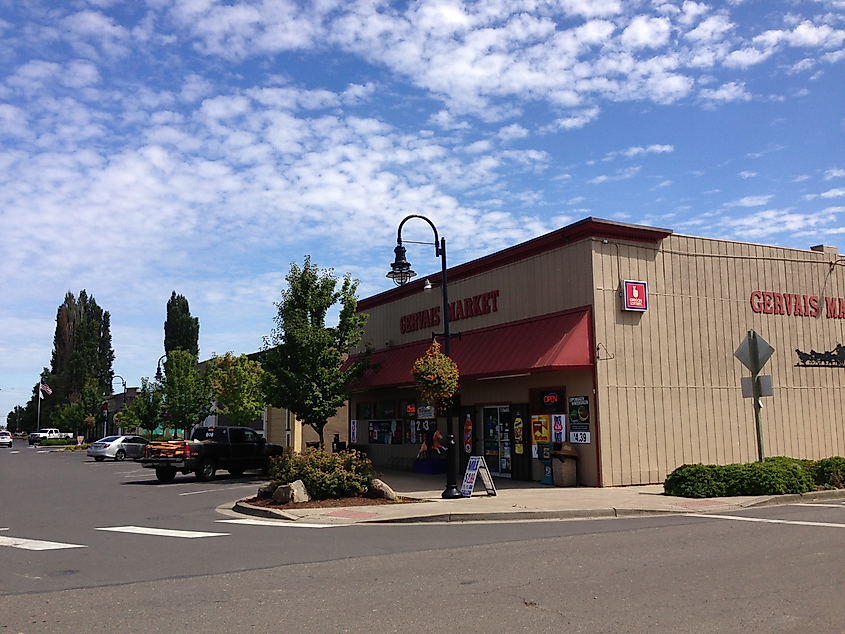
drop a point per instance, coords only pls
(477, 466)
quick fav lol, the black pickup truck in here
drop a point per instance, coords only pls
(234, 449)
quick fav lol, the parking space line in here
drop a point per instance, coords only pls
(737, 518)
(159, 532)
(281, 523)
(247, 486)
(830, 506)
(35, 544)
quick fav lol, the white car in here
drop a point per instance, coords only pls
(5, 439)
(117, 447)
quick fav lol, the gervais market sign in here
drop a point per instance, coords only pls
(795, 305)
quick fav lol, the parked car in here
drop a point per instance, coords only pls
(5, 439)
(117, 447)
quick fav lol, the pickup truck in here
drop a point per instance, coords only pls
(48, 433)
(234, 449)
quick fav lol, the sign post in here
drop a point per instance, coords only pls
(753, 353)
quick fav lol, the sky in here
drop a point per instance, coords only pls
(202, 146)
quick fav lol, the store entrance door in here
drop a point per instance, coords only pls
(498, 439)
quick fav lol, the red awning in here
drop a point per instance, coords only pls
(541, 344)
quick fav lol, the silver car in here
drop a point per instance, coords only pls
(117, 447)
(5, 439)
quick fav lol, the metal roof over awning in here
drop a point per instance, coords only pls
(558, 341)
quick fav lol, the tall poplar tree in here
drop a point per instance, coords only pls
(181, 331)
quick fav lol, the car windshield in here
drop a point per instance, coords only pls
(109, 439)
(43, 431)
(5, 433)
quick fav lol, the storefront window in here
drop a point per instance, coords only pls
(363, 411)
(386, 432)
(385, 409)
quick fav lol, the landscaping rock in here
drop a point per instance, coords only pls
(266, 492)
(293, 492)
(380, 489)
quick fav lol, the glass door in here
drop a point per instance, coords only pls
(498, 439)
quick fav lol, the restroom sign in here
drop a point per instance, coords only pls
(635, 295)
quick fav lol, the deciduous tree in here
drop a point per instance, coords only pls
(187, 394)
(237, 384)
(303, 356)
(147, 407)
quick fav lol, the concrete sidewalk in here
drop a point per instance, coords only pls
(521, 501)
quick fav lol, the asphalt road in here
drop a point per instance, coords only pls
(659, 574)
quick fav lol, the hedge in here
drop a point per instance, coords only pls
(774, 476)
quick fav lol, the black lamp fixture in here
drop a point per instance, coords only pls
(401, 273)
(159, 375)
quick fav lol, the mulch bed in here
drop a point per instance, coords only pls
(327, 504)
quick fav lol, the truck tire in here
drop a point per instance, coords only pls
(206, 470)
(165, 474)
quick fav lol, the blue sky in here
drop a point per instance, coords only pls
(202, 146)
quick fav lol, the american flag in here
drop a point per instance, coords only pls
(46, 388)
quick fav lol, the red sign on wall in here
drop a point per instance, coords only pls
(635, 295)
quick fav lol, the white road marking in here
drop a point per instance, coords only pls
(830, 506)
(159, 532)
(765, 521)
(282, 523)
(248, 486)
(4, 529)
(35, 544)
(15, 451)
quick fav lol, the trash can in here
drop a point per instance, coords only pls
(564, 464)
(338, 444)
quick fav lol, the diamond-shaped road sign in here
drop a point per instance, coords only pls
(764, 352)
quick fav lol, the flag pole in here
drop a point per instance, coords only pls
(40, 396)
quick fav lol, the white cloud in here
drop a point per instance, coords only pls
(834, 173)
(645, 32)
(747, 174)
(732, 91)
(750, 201)
(513, 131)
(833, 193)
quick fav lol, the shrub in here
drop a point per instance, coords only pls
(776, 476)
(342, 474)
(55, 442)
(830, 472)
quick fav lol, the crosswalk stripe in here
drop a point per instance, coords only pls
(35, 544)
(283, 523)
(159, 532)
(764, 520)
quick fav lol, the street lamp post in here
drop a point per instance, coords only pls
(123, 381)
(401, 273)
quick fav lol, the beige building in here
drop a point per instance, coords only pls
(619, 339)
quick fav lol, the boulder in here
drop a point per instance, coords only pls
(380, 489)
(266, 492)
(293, 492)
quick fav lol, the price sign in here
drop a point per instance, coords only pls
(579, 437)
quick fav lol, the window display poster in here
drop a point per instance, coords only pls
(517, 434)
(468, 434)
(579, 413)
(353, 432)
(558, 427)
(425, 411)
(540, 428)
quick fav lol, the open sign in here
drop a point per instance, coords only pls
(550, 399)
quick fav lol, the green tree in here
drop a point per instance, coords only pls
(181, 331)
(74, 415)
(302, 356)
(237, 384)
(187, 394)
(147, 407)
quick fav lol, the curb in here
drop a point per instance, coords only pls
(259, 511)
(795, 498)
